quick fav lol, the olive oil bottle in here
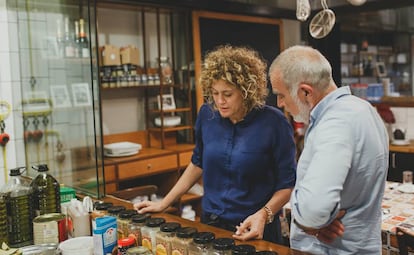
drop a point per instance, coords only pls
(46, 191)
(3, 219)
(20, 213)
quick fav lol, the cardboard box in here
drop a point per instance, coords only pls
(130, 55)
(109, 56)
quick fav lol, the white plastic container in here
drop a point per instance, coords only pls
(79, 245)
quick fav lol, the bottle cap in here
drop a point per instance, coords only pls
(170, 226)
(41, 168)
(223, 243)
(203, 237)
(186, 232)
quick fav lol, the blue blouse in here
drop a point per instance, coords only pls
(244, 163)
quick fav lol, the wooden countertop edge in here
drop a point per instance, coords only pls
(409, 148)
(259, 244)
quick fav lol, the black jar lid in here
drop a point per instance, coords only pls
(223, 243)
(170, 226)
(140, 218)
(103, 206)
(186, 232)
(127, 214)
(266, 253)
(243, 249)
(116, 209)
(203, 237)
(154, 222)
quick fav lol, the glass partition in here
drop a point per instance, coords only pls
(58, 109)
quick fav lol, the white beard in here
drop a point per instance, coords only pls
(304, 111)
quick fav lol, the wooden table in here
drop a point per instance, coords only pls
(259, 244)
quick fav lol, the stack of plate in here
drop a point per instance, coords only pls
(169, 121)
(121, 149)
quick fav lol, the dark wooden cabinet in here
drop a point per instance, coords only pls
(399, 162)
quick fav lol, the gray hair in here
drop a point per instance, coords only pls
(302, 64)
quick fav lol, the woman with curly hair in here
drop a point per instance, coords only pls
(244, 149)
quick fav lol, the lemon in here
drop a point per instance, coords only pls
(147, 243)
(161, 250)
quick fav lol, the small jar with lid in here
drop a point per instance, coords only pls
(266, 253)
(124, 244)
(149, 231)
(222, 246)
(100, 210)
(115, 210)
(182, 240)
(134, 227)
(139, 250)
(124, 218)
(201, 244)
(243, 249)
(164, 238)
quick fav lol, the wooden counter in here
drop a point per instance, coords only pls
(403, 148)
(259, 244)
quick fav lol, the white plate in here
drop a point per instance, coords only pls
(121, 148)
(406, 188)
(121, 154)
(169, 121)
(400, 142)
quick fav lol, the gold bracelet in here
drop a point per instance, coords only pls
(270, 215)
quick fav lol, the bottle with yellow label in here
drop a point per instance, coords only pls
(164, 238)
(182, 240)
(149, 231)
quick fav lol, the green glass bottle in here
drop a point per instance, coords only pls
(46, 191)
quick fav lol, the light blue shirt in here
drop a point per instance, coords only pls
(342, 166)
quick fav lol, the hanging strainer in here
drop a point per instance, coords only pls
(322, 23)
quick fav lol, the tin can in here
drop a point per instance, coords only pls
(49, 228)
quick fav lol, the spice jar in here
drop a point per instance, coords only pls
(164, 238)
(139, 250)
(222, 246)
(134, 227)
(149, 231)
(183, 238)
(124, 218)
(115, 210)
(124, 244)
(201, 244)
(243, 249)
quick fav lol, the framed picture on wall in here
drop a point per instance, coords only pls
(81, 94)
(380, 69)
(167, 102)
(60, 96)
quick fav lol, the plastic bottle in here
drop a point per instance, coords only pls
(46, 191)
(20, 212)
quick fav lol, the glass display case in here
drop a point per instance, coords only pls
(57, 107)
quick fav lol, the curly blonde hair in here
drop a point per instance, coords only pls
(241, 67)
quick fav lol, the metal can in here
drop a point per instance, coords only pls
(49, 228)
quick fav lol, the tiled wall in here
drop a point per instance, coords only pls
(10, 90)
(21, 60)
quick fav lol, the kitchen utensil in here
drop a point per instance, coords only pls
(322, 23)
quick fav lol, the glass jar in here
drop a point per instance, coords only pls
(243, 249)
(100, 210)
(164, 238)
(139, 250)
(124, 244)
(166, 70)
(222, 246)
(183, 238)
(201, 244)
(134, 227)
(115, 210)
(124, 218)
(149, 231)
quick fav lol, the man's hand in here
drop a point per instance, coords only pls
(329, 233)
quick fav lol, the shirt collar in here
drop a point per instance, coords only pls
(327, 100)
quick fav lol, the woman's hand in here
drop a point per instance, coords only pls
(149, 206)
(252, 227)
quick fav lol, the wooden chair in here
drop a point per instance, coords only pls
(405, 241)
